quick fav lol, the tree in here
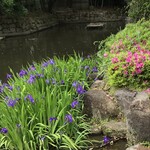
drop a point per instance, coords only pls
(50, 5)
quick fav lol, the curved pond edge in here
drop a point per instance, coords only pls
(15, 26)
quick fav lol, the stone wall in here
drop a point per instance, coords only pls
(25, 25)
(29, 24)
(73, 16)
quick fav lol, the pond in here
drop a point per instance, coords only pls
(60, 40)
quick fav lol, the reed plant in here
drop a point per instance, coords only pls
(41, 106)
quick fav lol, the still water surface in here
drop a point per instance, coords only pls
(60, 40)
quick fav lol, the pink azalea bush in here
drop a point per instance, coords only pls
(131, 69)
(126, 57)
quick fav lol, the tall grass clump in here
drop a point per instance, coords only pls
(125, 56)
(41, 106)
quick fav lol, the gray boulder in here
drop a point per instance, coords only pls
(98, 104)
(138, 119)
(125, 98)
(98, 84)
(115, 129)
(95, 129)
(138, 147)
(136, 108)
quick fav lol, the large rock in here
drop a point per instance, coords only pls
(95, 129)
(98, 104)
(98, 84)
(115, 129)
(136, 107)
(125, 98)
(138, 119)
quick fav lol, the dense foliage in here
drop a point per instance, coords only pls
(41, 106)
(125, 56)
(139, 9)
(21, 7)
(10, 7)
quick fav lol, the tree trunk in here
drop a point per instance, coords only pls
(50, 5)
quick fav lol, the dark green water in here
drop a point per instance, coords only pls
(60, 40)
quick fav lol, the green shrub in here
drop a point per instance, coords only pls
(139, 9)
(41, 106)
(12, 7)
(134, 42)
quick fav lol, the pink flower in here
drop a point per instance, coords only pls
(125, 72)
(112, 51)
(128, 59)
(138, 70)
(147, 90)
(139, 65)
(105, 55)
(114, 60)
(138, 47)
(116, 67)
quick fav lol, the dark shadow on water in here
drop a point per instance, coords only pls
(60, 40)
(118, 145)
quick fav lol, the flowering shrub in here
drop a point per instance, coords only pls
(41, 106)
(130, 69)
(125, 56)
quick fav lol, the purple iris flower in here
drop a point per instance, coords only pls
(18, 125)
(42, 138)
(86, 67)
(47, 81)
(17, 99)
(18, 88)
(74, 84)
(6, 98)
(22, 73)
(5, 85)
(52, 119)
(74, 104)
(95, 69)
(69, 118)
(45, 64)
(106, 139)
(51, 61)
(31, 79)
(29, 96)
(9, 76)
(1, 89)
(62, 82)
(10, 87)
(88, 56)
(32, 67)
(11, 103)
(4, 130)
(53, 81)
(80, 90)
(40, 75)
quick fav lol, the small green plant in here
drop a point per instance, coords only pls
(41, 106)
(146, 144)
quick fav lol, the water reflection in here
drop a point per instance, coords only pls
(60, 40)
